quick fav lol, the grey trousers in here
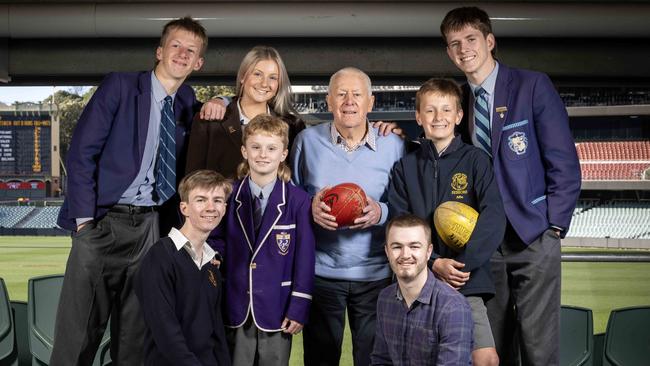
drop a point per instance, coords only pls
(98, 283)
(525, 313)
(250, 346)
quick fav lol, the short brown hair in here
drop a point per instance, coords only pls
(269, 125)
(205, 178)
(409, 220)
(187, 24)
(445, 87)
(458, 18)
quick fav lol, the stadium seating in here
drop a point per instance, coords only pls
(8, 348)
(11, 215)
(22, 338)
(576, 336)
(613, 171)
(627, 340)
(614, 219)
(42, 302)
(44, 218)
(614, 150)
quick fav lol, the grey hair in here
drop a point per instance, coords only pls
(350, 70)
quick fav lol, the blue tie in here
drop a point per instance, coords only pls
(482, 120)
(166, 163)
(257, 211)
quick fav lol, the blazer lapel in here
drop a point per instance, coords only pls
(502, 99)
(243, 212)
(232, 124)
(272, 213)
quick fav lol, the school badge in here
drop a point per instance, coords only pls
(518, 142)
(459, 184)
(283, 239)
(212, 278)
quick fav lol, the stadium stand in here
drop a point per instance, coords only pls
(11, 215)
(44, 218)
(614, 171)
(614, 219)
(614, 150)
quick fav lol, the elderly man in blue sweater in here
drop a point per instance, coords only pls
(351, 267)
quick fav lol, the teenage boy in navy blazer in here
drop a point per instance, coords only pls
(518, 118)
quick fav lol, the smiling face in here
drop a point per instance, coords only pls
(204, 208)
(438, 115)
(408, 251)
(178, 56)
(264, 153)
(470, 51)
(261, 82)
(349, 100)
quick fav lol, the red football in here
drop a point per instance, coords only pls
(347, 201)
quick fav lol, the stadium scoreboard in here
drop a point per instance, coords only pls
(25, 144)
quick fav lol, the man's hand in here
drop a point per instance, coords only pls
(215, 262)
(448, 270)
(80, 226)
(320, 212)
(291, 326)
(213, 109)
(386, 128)
(371, 215)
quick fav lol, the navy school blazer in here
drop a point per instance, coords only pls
(108, 143)
(534, 156)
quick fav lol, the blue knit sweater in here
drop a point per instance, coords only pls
(353, 255)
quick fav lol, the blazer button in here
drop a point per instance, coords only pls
(253, 265)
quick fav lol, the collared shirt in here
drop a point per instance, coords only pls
(489, 84)
(368, 139)
(242, 117)
(266, 191)
(141, 189)
(181, 242)
(435, 330)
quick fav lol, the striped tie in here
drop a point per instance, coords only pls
(257, 211)
(166, 163)
(482, 120)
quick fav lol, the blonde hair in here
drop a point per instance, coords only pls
(205, 178)
(268, 125)
(281, 102)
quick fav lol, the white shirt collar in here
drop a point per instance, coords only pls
(180, 241)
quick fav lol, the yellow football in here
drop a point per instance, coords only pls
(455, 222)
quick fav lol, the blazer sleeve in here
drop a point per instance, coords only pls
(296, 162)
(304, 264)
(562, 167)
(90, 135)
(197, 146)
(491, 223)
(398, 203)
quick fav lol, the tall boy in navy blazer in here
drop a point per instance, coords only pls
(112, 203)
(538, 174)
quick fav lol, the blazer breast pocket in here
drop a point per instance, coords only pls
(284, 237)
(516, 140)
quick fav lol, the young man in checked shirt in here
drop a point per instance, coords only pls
(420, 319)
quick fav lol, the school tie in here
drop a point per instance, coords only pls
(257, 211)
(166, 163)
(482, 120)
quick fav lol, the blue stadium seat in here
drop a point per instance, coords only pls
(8, 348)
(627, 340)
(576, 336)
(43, 299)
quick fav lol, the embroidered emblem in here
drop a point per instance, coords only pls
(212, 278)
(459, 185)
(231, 129)
(283, 239)
(502, 111)
(518, 142)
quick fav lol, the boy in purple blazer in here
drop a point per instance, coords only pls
(267, 247)
(518, 118)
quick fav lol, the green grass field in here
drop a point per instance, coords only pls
(598, 286)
